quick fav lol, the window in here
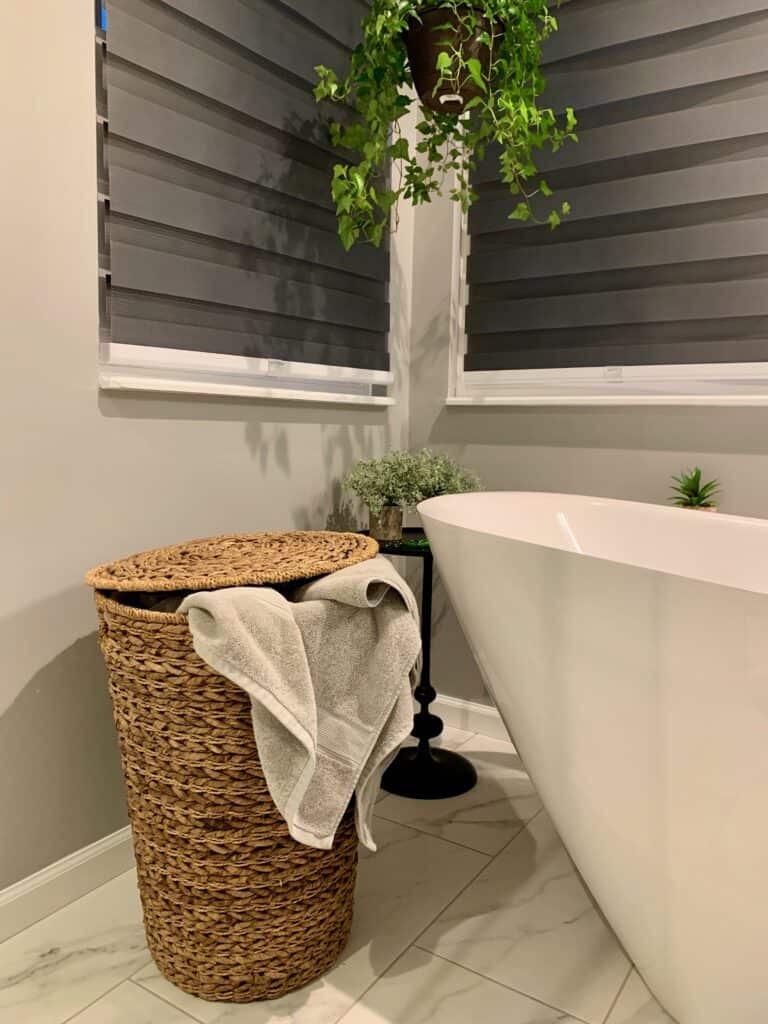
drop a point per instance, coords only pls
(221, 268)
(654, 288)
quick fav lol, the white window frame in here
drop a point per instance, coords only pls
(140, 368)
(693, 384)
(184, 371)
(181, 371)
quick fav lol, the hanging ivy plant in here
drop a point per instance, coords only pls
(477, 69)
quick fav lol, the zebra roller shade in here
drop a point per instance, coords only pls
(219, 235)
(663, 258)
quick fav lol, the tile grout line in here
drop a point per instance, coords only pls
(412, 943)
(455, 842)
(415, 942)
(493, 739)
(523, 824)
(619, 994)
(93, 1002)
(162, 998)
(509, 988)
(527, 995)
(472, 880)
(489, 859)
(397, 956)
(376, 980)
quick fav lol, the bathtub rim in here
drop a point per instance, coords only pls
(427, 510)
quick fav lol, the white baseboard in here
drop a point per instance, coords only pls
(473, 717)
(39, 895)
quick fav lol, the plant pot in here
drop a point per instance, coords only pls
(387, 526)
(701, 508)
(425, 40)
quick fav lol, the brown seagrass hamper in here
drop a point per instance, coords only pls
(234, 909)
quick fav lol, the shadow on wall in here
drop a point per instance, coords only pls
(58, 752)
(344, 514)
(317, 302)
(725, 430)
(429, 356)
(309, 447)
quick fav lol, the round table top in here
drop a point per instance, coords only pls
(414, 543)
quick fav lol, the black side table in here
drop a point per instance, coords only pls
(425, 772)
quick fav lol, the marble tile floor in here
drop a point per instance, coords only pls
(471, 908)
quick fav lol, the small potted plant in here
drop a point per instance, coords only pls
(690, 492)
(438, 474)
(476, 66)
(400, 480)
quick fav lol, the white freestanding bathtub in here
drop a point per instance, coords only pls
(626, 647)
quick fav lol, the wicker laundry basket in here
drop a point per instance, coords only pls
(234, 909)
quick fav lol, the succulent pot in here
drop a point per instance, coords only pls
(701, 508)
(427, 38)
(387, 526)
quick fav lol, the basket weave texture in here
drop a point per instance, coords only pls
(239, 560)
(234, 909)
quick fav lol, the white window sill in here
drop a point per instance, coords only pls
(134, 368)
(704, 384)
(495, 401)
(109, 381)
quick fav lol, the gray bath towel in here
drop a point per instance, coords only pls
(330, 676)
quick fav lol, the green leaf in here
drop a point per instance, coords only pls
(521, 212)
(475, 69)
(377, 87)
(690, 491)
(347, 232)
(399, 150)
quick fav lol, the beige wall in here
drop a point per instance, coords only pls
(612, 452)
(87, 477)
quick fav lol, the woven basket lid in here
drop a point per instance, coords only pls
(235, 561)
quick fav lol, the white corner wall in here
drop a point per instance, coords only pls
(87, 477)
(626, 452)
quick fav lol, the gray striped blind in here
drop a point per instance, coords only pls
(664, 256)
(219, 233)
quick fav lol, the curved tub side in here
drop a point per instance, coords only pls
(639, 704)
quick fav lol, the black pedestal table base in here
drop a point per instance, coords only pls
(431, 774)
(425, 772)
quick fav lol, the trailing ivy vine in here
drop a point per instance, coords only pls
(447, 147)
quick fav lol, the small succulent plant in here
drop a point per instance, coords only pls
(405, 478)
(690, 492)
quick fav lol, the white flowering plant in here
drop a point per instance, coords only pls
(405, 478)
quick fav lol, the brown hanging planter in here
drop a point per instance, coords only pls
(427, 38)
